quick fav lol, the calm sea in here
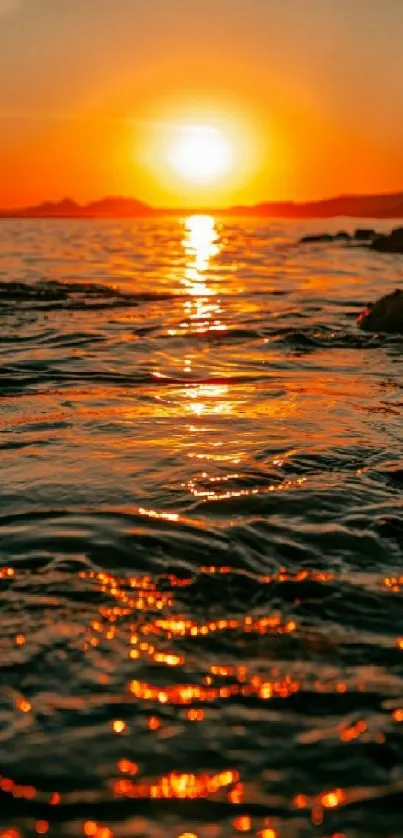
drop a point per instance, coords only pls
(201, 533)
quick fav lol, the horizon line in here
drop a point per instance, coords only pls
(128, 205)
(126, 197)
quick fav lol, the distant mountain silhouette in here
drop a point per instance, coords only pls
(353, 206)
(122, 207)
(113, 207)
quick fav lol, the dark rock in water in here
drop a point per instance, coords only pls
(321, 237)
(392, 243)
(363, 234)
(342, 236)
(386, 315)
(383, 242)
(326, 237)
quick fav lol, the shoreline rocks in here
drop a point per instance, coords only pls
(325, 238)
(386, 315)
(364, 234)
(390, 242)
(366, 237)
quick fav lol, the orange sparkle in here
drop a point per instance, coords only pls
(125, 766)
(177, 786)
(195, 715)
(42, 827)
(236, 795)
(243, 823)
(24, 705)
(353, 732)
(317, 815)
(169, 660)
(332, 799)
(6, 784)
(119, 726)
(301, 801)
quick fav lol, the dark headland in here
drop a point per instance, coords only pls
(353, 206)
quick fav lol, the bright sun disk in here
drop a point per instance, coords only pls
(200, 153)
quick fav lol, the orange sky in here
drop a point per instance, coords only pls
(308, 92)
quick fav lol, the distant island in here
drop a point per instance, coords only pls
(353, 206)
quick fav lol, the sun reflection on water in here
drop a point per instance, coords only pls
(200, 242)
(208, 398)
(202, 309)
(201, 245)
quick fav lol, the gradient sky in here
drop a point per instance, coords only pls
(311, 92)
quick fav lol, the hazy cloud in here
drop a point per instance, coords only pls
(7, 6)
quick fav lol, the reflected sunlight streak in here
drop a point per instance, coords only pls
(202, 310)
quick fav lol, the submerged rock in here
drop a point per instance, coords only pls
(386, 315)
(367, 237)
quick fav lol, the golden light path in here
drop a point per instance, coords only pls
(201, 245)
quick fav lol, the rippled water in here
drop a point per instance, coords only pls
(201, 533)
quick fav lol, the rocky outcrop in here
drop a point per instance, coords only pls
(323, 237)
(382, 242)
(326, 237)
(386, 315)
(389, 243)
(364, 234)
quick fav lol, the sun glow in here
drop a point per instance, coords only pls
(201, 153)
(196, 154)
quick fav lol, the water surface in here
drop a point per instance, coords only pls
(200, 531)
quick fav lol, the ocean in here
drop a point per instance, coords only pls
(201, 532)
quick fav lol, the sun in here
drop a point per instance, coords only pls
(200, 154)
(196, 154)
